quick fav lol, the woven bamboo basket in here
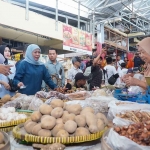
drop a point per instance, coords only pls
(15, 122)
(19, 133)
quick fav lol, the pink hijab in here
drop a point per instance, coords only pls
(145, 45)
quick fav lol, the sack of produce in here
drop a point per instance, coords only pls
(48, 95)
(132, 137)
(35, 104)
(99, 103)
(116, 107)
(81, 95)
(130, 117)
(22, 101)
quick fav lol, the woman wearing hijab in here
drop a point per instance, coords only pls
(144, 49)
(31, 72)
(4, 86)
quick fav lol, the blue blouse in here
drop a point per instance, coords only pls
(31, 76)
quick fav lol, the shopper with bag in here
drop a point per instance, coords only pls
(111, 74)
(31, 72)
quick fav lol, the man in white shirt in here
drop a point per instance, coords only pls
(119, 62)
(122, 72)
(75, 69)
(109, 69)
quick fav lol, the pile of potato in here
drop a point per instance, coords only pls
(2, 142)
(61, 120)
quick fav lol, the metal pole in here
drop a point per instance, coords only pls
(79, 14)
(66, 20)
(56, 22)
(93, 29)
(27, 10)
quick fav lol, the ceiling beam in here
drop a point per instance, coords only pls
(132, 24)
(112, 4)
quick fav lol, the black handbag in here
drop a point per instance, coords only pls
(12, 87)
(112, 80)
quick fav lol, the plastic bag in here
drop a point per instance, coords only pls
(135, 89)
(47, 95)
(125, 122)
(23, 102)
(99, 92)
(124, 106)
(117, 142)
(82, 95)
(35, 104)
(99, 103)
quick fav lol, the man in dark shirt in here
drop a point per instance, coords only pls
(137, 60)
(96, 73)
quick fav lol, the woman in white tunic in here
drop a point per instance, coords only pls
(4, 86)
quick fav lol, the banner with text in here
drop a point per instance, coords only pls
(76, 40)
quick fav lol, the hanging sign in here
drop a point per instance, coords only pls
(76, 40)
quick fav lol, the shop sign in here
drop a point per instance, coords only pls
(76, 40)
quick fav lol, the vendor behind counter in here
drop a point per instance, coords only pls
(80, 82)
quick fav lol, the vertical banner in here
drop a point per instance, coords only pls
(76, 40)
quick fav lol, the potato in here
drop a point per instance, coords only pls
(44, 116)
(59, 121)
(2, 145)
(36, 129)
(29, 120)
(102, 117)
(91, 121)
(48, 122)
(57, 103)
(57, 128)
(93, 128)
(57, 112)
(17, 95)
(29, 126)
(62, 133)
(6, 98)
(44, 133)
(45, 109)
(70, 126)
(1, 138)
(100, 124)
(87, 109)
(67, 117)
(75, 109)
(81, 131)
(64, 107)
(36, 116)
(80, 120)
(13, 98)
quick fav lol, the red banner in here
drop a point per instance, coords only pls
(75, 38)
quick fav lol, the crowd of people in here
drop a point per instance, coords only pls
(29, 75)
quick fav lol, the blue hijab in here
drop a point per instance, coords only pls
(29, 57)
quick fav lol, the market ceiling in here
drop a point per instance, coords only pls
(134, 14)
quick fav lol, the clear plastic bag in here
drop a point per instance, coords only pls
(82, 95)
(117, 142)
(35, 104)
(23, 102)
(124, 106)
(48, 95)
(99, 103)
